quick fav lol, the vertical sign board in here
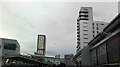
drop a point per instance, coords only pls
(41, 44)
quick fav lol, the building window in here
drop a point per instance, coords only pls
(78, 43)
(97, 24)
(93, 31)
(10, 46)
(86, 12)
(85, 38)
(97, 28)
(93, 27)
(78, 39)
(85, 9)
(85, 42)
(97, 31)
(78, 29)
(85, 30)
(85, 22)
(101, 24)
(78, 35)
(93, 35)
(83, 15)
(92, 24)
(78, 32)
(84, 19)
(85, 34)
(84, 26)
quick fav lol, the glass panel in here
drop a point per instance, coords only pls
(10, 46)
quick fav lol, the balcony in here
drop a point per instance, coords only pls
(85, 15)
(84, 18)
(78, 45)
(83, 11)
(78, 29)
(78, 39)
(78, 19)
(78, 35)
(78, 32)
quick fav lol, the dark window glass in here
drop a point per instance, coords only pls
(85, 30)
(93, 35)
(97, 28)
(85, 38)
(86, 12)
(77, 29)
(85, 9)
(78, 32)
(78, 35)
(84, 19)
(97, 32)
(93, 24)
(85, 22)
(101, 24)
(97, 24)
(85, 34)
(83, 15)
(10, 46)
(85, 42)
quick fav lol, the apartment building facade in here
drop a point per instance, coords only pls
(87, 29)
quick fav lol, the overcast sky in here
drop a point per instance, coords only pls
(57, 20)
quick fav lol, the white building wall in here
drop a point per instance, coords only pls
(98, 27)
(88, 28)
(85, 33)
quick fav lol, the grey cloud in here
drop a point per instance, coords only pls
(24, 21)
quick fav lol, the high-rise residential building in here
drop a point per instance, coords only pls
(87, 28)
(41, 44)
